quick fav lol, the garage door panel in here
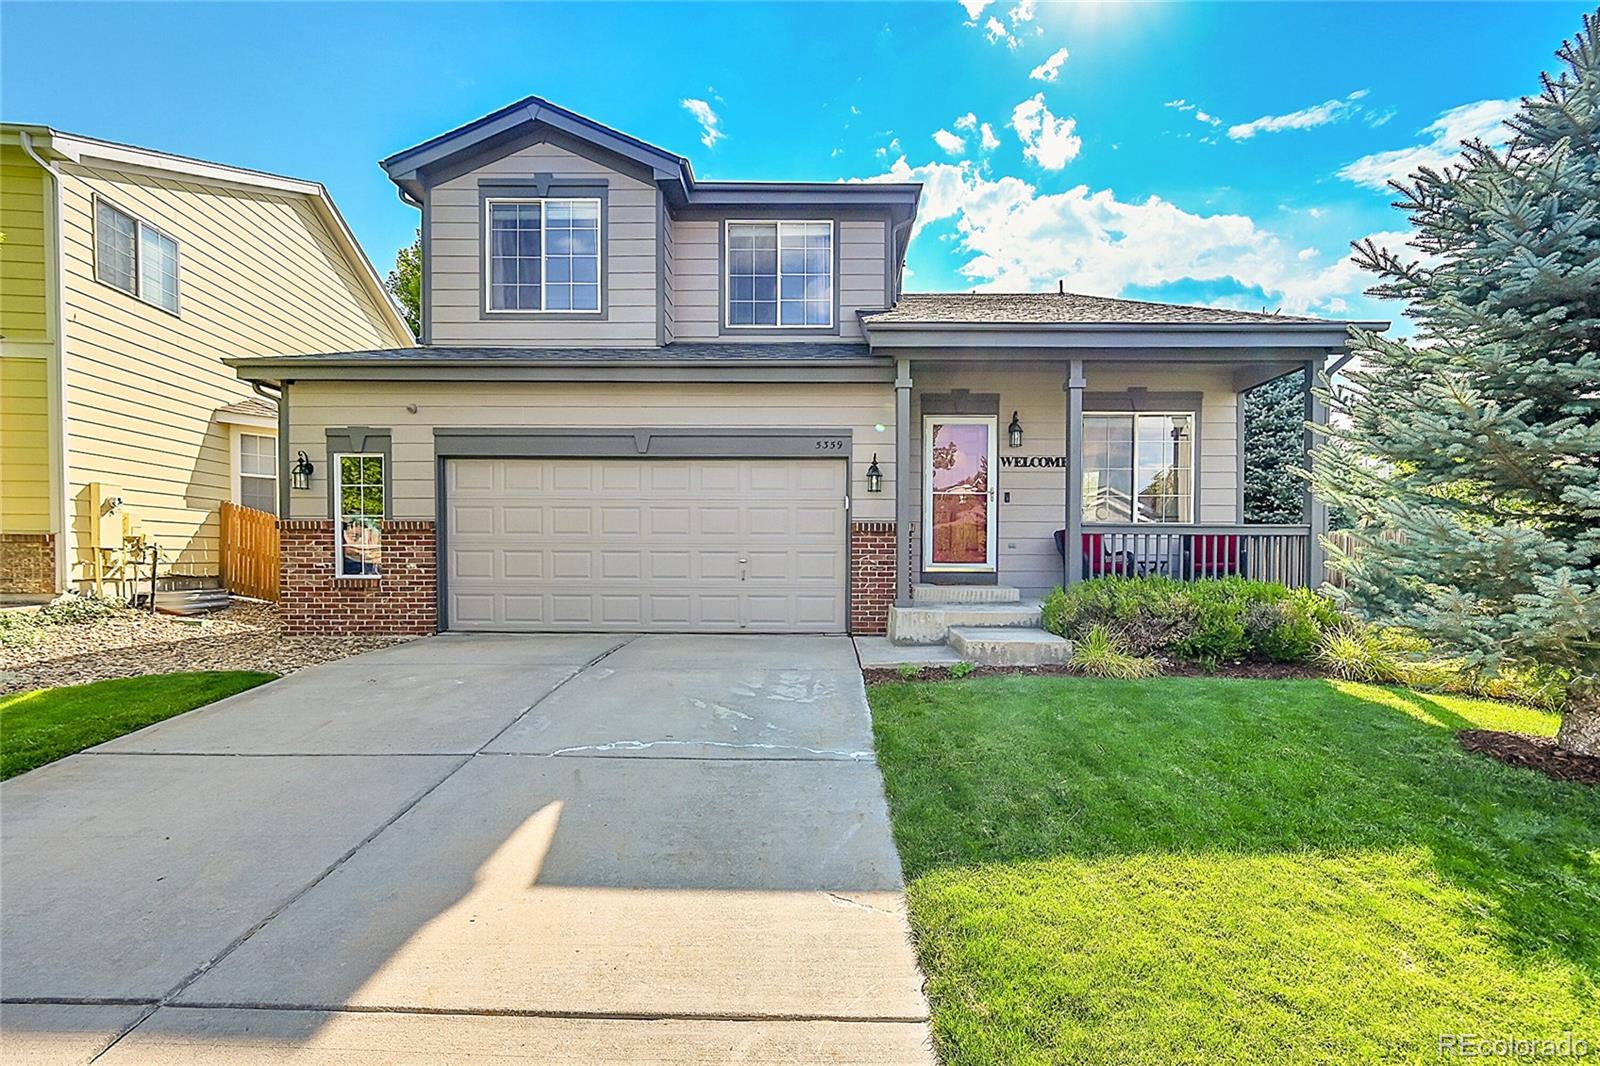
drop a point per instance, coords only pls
(724, 545)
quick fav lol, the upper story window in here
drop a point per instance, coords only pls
(543, 254)
(1138, 467)
(135, 257)
(780, 274)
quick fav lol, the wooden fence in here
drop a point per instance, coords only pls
(250, 552)
(1345, 541)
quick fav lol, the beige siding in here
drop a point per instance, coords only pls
(669, 298)
(455, 264)
(259, 274)
(696, 288)
(316, 406)
(1027, 556)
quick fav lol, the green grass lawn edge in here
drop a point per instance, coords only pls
(39, 726)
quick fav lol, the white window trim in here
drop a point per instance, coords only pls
(239, 433)
(489, 204)
(727, 273)
(1194, 467)
(139, 226)
(338, 513)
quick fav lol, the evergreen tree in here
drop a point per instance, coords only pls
(1480, 438)
(1274, 451)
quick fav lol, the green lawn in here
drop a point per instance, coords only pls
(48, 724)
(1212, 870)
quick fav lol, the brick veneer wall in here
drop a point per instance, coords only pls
(871, 577)
(28, 563)
(402, 601)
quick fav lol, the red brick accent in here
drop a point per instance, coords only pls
(871, 577)
(403, 601)
(28, 563)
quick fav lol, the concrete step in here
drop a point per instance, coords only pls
(1008, 646)
(923, 595)
(931, 624)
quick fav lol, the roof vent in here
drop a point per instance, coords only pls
(1061, 286)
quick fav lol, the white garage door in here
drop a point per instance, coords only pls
(640, 544)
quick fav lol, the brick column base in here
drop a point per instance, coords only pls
(28, 563)
(401, 602)
(871, 577)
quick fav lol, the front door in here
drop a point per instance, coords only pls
(958, 506)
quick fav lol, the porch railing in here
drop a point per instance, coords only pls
(1192, 552)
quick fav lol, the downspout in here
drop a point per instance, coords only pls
(60, 468)
(280, 398)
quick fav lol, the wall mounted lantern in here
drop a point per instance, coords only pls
(1014, 431)
(874, 475)
(300, 474)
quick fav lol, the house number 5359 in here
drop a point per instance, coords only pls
(833, 445)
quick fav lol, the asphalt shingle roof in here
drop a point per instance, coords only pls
(252, 407)
(1051, 308)
(713, 352)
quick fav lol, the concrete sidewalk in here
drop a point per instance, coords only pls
(561, 849)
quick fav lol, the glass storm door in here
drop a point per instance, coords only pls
(958, 508)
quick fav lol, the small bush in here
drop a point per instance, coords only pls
(961, 669)
(909, 672)
(72, 609)
(1099, 654)
(18, 629)
(1356, 652)
(1207, 621)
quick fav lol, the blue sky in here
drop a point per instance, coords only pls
(1201, 153)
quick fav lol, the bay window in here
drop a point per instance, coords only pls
(1138, 467)
(780, 274)
(542, 254)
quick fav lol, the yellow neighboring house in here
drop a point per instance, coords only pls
(126, 276)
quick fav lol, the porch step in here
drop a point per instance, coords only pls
(931, 624)
(1010, 646)
(929, 594)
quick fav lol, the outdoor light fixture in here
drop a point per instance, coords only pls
(1014, 430)
(874, 476)
(300, 475)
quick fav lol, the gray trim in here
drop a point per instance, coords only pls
(642, 443)
(361, 440)
(725, 330)
(285, 481)
(541, 185)
(426, 314)
(517, 138)
(1316, 511)
(661, 269)
(612, 443)
(958, 402)
(1136, 399)
(1108, 335)
(1072, 548)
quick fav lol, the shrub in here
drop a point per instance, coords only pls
(1099, 654)
(1209, 621)
(71, 608)
(909, 672)
(961, 669)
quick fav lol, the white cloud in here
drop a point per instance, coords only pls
(1304, 119)
(1209, 120)
(710, 133)
(969, 121)
(949, 142)
(1047, 140)
(975, 8)
(1023, 12)
(1017, 239)
(1482, 121)
(1180, 103)
(1050, 69)
(996, 31)
(988, 141)
(1306, 253)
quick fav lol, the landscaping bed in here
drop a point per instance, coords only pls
(90, 641)
(1534, 752)
(1225, 870)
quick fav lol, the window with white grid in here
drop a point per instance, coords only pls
(780, 274)
(543, 255)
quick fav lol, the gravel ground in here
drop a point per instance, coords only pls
(245, 636)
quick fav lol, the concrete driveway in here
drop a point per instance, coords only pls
(543, 848)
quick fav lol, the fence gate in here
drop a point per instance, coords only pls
(250, 552)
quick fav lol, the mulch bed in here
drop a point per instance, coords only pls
(877, 675)
(1533, 752)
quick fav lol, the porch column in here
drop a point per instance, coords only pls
(1316, 511)
(903, 460)
(1072, 548)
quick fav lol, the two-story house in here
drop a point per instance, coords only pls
(646, 402)
(126, 275)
